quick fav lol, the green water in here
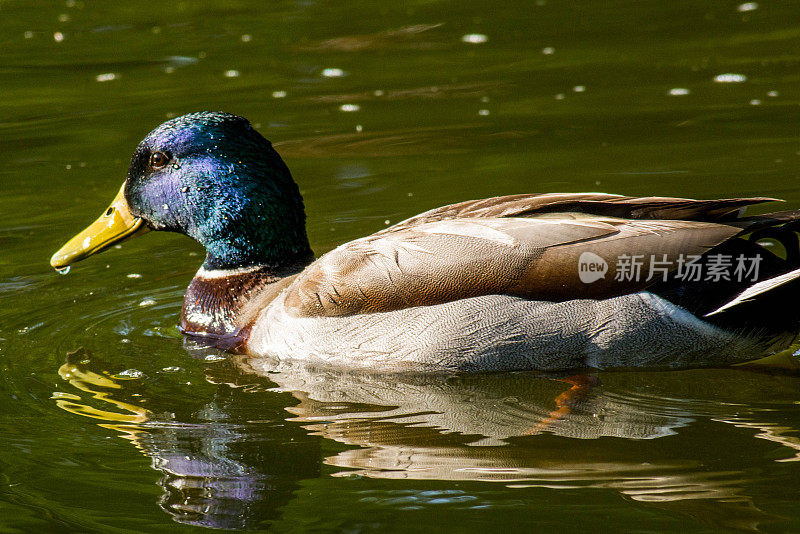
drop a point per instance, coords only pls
(111, 423)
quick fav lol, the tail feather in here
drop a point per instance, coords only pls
(755, 222)
(757, 289)
(765, 305)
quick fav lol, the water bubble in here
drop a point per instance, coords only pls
(180, 61)
(474, 38)
(333, 72)
(172, 369)
(214, 358)
(106, 77)
(483, 112)
(679, 91)
(560, 96)
(278, 94)
(232, 73)
(58, 37)
(130, 373)
(548, 50)
(62, 270)
(747, 6)
(29, 35)
(246, 38)
(134, 275)
(349, 107)
(147, 302)
(359, 128)
(755, 102)
(730, 78)
(579, 88)
(773, 94)
(62, 395)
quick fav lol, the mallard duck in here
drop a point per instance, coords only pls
(530, 281)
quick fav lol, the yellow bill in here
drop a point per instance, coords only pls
(115, 225)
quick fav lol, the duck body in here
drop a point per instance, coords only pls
(539, 281)
(501, 333)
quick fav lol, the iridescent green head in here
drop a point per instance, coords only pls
(211, 176)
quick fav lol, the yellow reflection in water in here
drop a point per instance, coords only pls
(126, 419)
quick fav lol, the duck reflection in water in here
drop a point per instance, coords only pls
(234, 462)
(228, 462)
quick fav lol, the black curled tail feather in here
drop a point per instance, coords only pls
(763, 302)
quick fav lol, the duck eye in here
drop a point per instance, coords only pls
(158, 160)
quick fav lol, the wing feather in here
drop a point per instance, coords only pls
(444, 260)
(535, 205)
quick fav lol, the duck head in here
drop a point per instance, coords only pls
(212, 177)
